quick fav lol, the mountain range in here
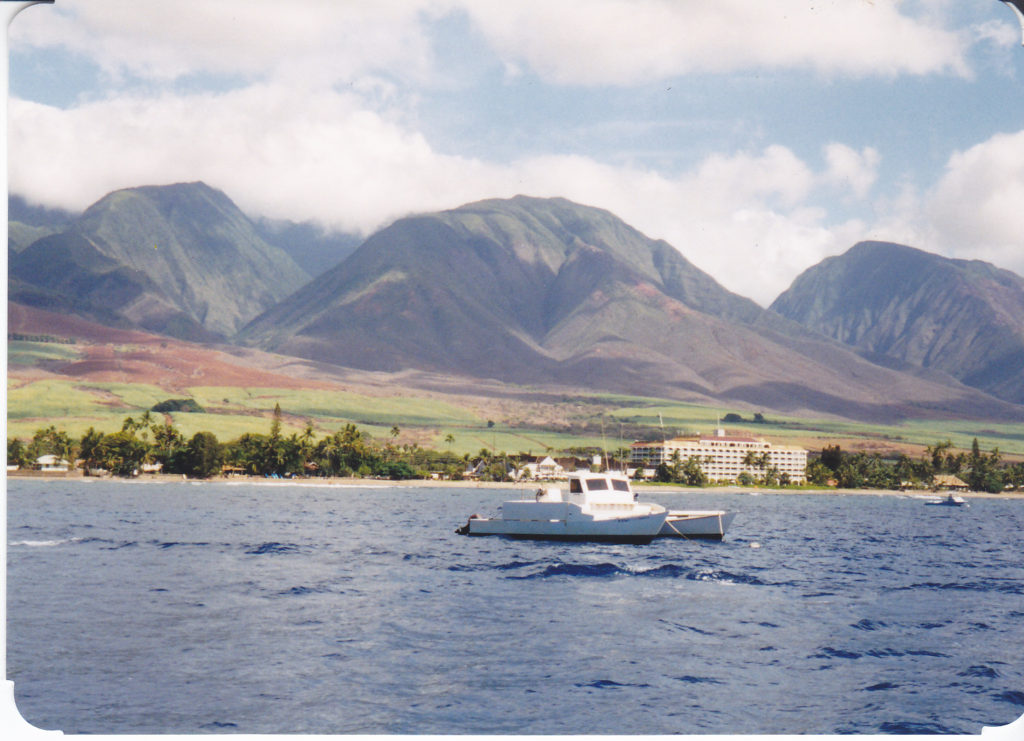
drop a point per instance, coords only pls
(525, 290)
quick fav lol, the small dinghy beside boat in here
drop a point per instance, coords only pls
(696, 524)
(598, 507)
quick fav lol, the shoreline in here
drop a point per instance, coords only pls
(350, 482)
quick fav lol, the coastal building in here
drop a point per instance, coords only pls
(724, 457)
(52, 463)
(544, 469)
(947, 481)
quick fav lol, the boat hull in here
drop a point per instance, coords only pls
(697, 524)
(640, 529)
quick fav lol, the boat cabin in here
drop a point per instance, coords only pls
(600, 488)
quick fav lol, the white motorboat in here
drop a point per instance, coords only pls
(949, 501)
(696, 524)
(597, 507)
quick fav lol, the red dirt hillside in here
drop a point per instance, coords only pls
(129, 356)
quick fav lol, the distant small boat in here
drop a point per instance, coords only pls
(696, 524)
(599, 507)
(949, 501)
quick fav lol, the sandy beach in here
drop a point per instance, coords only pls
(349, 482)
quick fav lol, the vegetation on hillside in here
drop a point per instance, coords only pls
(178, 405)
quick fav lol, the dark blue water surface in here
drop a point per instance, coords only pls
(153, 608)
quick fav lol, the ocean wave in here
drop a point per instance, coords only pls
(1004, 586)
(866, 624)
(881, 686)
(904, 728)
(601, 570)
(1015, 697)
(272, 548)
(301, 591)
(609, 570)
(685, 628)
(39, 543)
(606, 684)
(164, 545)
(689, 679)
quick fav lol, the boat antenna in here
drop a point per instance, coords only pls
(604, 444)
(622, 459)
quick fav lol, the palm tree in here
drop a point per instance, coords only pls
(145, 422)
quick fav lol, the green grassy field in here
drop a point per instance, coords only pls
(24, 353)
(597, 421)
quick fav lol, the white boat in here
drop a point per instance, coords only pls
(597, 507)
(949, 501)
(696, 524)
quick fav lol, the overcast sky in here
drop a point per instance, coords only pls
(756, 137)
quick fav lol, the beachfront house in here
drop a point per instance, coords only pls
(52, 463)
(543, 470)
(948, 482)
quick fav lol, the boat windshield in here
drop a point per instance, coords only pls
(620, 485)
(597, 484)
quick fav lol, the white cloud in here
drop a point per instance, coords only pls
(972, 212)
(850, 169)
(319, 41)
(632, 41)
(975, 209)
(277, 151)
(588, 42)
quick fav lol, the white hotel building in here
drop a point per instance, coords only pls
(722, 456)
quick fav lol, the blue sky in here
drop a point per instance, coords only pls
(757, 138)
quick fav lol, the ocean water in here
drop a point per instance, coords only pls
(191, 608)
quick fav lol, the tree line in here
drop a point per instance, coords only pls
(146, 440)
(981, 471)
(351, 452)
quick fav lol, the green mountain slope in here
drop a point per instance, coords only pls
(965, 318)
(547, 291)
(27, 223)
(178, 259)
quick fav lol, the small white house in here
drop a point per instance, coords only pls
(547, 468)
(50, 462)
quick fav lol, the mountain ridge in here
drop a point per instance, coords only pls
(961, 317)
(530, 290)
(183, 260)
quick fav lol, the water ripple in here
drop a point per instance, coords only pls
(272, 548)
